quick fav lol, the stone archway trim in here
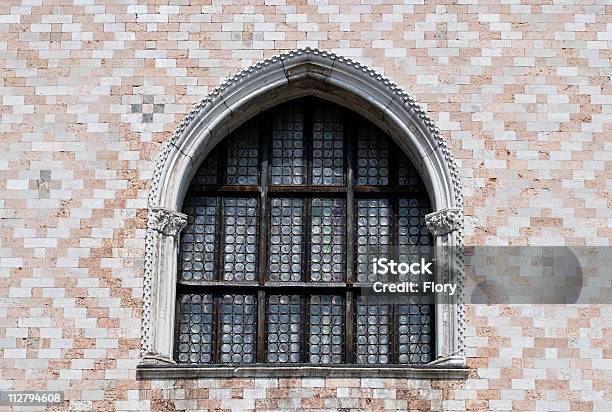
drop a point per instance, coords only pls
(230, 104)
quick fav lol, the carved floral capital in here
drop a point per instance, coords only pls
(167, 222)
(444, 221)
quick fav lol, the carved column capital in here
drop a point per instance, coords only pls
(167, 222)
(444, 221)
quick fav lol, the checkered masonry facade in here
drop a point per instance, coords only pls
(90, 89)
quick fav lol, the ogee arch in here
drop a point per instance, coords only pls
(261, 86)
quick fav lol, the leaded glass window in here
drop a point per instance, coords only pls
(282, 216)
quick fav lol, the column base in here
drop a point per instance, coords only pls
(452, 361)
(157, 359)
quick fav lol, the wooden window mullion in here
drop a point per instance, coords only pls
(221, 161)
(349, 313)
(306, 246)
(216, 327)
(393, 335)
(305, 298)
(308, 137)
(262, 273)
(305, 329)
(219, 240)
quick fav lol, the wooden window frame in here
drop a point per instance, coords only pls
(350, 192)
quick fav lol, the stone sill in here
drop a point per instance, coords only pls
(173, 371)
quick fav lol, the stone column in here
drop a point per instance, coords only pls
(444, 225)
(167, 225)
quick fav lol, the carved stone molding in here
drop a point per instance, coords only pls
(164, 228)
(167, 222)
(279, 78)
(153, 358)
(444, 221)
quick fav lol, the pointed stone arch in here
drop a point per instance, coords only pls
(259, 87)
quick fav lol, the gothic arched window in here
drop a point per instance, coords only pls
(282, 215)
